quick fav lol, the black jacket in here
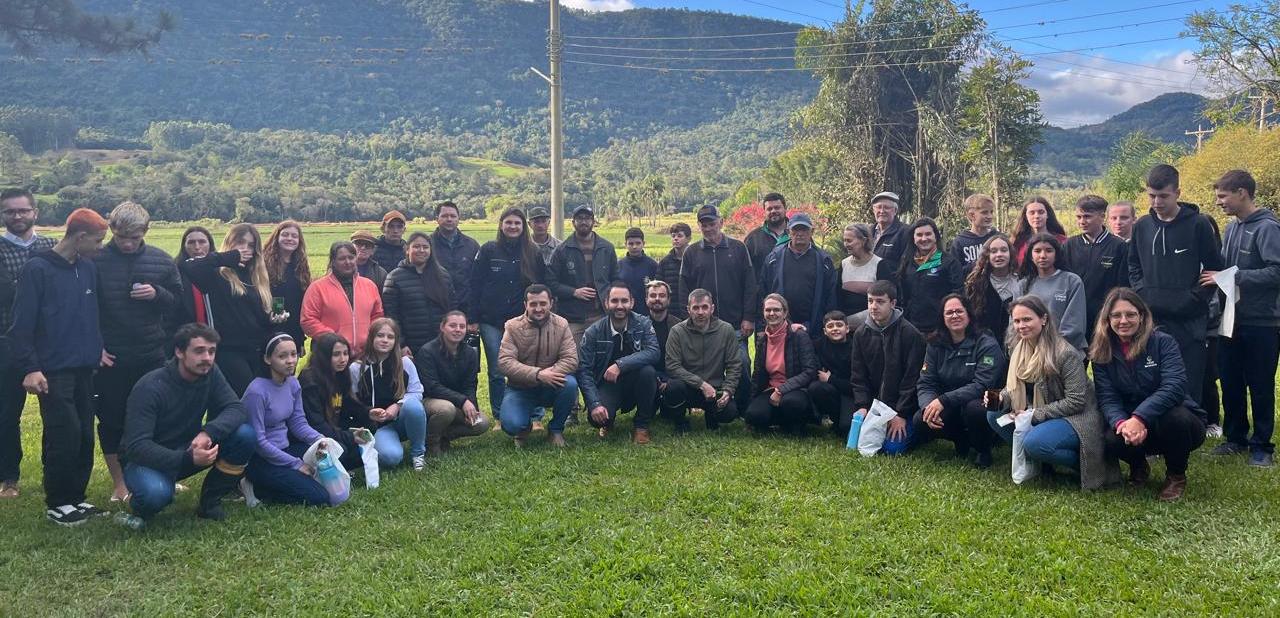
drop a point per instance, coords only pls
(886, 364)
(388, 255)
(835, 357)
(1147, 387)
(55, 315)
(451, 378)
(240, 320)
(669, 271)
(373, 272)
(165, 412)
(1165, 261)
(457, 257)
(890, 245)
(801, 364)
(291, 291)
(957, 373)
(405, 300)
(994, 317)
(922, 291)
(1101, 265)
(760, 242)
(497, 285)
(724, 270)
(135, 330)
(347, 414)
(563, 278)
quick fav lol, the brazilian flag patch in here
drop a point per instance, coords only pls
(988, 360)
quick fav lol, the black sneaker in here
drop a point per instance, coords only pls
(66, 515)
(1229, 448)
(1262, 459)
(90, 510)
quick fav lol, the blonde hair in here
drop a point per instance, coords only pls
(1100, 349)
(1050, 342)
(977, 201)
(129, 218)
(257, 269)
(276, 265)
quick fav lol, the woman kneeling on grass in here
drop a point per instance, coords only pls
(276, 473)
(1047, 378)
(388, 383)
(1142, 390)
(327, 399)
(960, 365)
(450, 371)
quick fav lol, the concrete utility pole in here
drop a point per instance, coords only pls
(554, 45)
(1262, 110)
(1200, 132)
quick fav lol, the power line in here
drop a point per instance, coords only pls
(778, 8)
(1106, 59)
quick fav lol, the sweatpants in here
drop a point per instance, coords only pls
(67, 445)
(1174, 434)
(792, 412)
(1247, 363)
(285, 485)
(151, 490)
(12, 399)
(1209, 389)
(239, 366)
(113, 385)
(635, 389)
(965, 425)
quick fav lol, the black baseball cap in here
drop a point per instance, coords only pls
(708, 213)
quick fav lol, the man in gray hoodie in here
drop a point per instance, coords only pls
(1247, 357)
(888, 353)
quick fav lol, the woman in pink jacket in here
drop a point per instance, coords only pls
(342, 301)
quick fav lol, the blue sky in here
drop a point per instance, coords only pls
(1075, 88)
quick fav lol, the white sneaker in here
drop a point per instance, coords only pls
(419, 463)
(1213, 431)
(246, 489)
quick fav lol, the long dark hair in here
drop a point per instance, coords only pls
(320, 371)
(434, 280)
(276, 266)
(942, 336)
(182, 255)
(1028, 270)
(529, 258)
(975, 285)
(1022, 230)
(909, 257)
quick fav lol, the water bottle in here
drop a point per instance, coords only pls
(328, 477)
(855, 426)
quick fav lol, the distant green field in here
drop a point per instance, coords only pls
(501, 169)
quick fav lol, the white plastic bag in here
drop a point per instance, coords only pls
(369, 457)
(328, 470)
(1023, 468)
(874, 428)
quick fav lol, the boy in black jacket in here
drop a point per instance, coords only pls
(1169, 249)
(167, 439)
(1100, 258)
(831, 392)
(888, 353)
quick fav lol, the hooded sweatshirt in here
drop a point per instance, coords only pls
(885, 364)
(1165, 260)
(967, 245)
(1254, 245)
(55, 315)
(1063, 292)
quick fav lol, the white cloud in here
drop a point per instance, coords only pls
(1090, 89)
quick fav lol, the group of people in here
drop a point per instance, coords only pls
(189, 363)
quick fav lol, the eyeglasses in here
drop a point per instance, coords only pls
(953, 313)
(18, 212)
(1124, 315)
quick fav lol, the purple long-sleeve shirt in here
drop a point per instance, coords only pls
(275, 412)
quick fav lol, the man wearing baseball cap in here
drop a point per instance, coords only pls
(539, 221)
(388, 250)
(369, 269)
(581, 269)
(888, 231)
(803, 274)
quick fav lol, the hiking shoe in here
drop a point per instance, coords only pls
(1229, 448)
(1139, 472)
(66, 515)
(9, 489)
(1173, 488)
(246, 490)
(640, 436)
(982, 460)
(131, 521)
(1262, 459)
(557, 439)
(1213, 431)
(90, 510)
(419, 463)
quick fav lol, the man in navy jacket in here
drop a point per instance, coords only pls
(617, 365)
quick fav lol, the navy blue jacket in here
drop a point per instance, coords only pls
(1146, 387)
(957, 373)
(824, 293)
(497, 284)
(55, 315)
(597, 345)
(457, 256)
(636, 272)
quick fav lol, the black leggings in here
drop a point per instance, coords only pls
(1174, 434)
(240, 366)
(965, 425)
(113, 385)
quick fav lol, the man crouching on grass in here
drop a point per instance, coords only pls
(181, 419)
(539, 358)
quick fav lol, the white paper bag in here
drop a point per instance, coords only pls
(874, 428)
(1023, 468)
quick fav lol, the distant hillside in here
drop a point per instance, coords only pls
(1083, 152)
(449, 66)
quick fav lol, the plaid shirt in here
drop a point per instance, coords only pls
(14, 257)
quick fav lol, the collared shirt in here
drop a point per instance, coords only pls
(17, 240)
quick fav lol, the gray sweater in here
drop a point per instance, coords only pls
(1063, 292)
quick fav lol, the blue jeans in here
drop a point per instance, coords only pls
(285, 484)
(518, 405)
(490, 340)
(152, 490)
(1053, 441)
(411, 425)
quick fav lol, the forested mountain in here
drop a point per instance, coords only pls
(1083, 152)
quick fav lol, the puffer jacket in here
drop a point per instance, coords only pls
(1146, 387)
(696, 355)
(388, 254)
(405, 300)
(451, 378)
(597, 346)
(527, 348)
(134, 330)
(801, 363)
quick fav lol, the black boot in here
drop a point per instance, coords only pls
(216, 485)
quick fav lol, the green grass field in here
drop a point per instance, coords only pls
(730, 523)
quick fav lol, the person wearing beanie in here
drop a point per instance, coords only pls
(636, 268)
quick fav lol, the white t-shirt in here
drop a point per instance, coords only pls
(852, 272)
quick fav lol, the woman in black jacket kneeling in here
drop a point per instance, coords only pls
(327, 398)
(784, 366)
(1142, 390)
(449, 371)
